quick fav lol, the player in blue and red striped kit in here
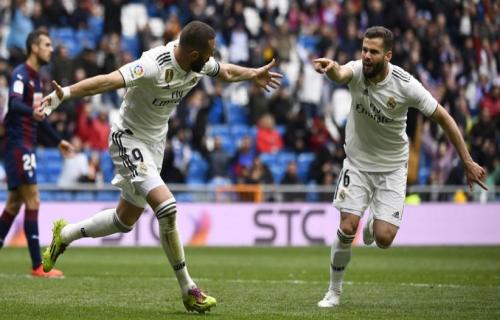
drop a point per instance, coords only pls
(21, 122)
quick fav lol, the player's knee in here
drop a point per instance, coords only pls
(349, 223)
(384, 241)
(166, 214)
(33, 202)
(348, 229)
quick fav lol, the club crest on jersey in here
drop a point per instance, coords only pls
(137, 71)
(391, 103)
(169, 75)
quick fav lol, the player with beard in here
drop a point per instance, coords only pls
(375, 169)
(155, 84)
(23, 117)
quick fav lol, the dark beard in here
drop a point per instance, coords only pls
(197, 66)
(376, 69)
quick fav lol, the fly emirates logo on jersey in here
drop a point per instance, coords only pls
(175, 98)
(374, 114)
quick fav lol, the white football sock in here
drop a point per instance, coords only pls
(340, 256)
(171, 242)
(102, 224)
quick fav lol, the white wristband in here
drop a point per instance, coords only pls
(66, 93)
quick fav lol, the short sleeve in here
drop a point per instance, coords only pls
(421, 98)
(357, 69)
(211, 68)
(139, 71)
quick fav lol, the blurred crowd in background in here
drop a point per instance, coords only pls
(236, 133)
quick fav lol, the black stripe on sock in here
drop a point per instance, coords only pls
(180, 266)
(166, 209)
(337, 269)
(167, 213)
(344, 238)
(119, 225)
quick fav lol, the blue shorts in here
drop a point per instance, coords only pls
(20, 167)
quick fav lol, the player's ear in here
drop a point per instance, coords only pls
(388, 56)
(194, 55)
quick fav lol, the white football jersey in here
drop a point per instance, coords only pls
(155, 85)
(376, 139)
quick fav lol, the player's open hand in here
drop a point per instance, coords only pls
(54, 99)
(264, 78)
(66, 149)
(324, 65)
(475, 174)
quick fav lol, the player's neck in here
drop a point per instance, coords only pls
(181, 60)
(32, 62)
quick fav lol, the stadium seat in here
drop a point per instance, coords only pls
(239, 130)
(281, 129)
(424, 168)
(45, 195)
(284, 157)
(83, 196)
(107, 166)
(107, 196)
(61, 196)
(303, 163)
(197, 170)
(236, 114)
(184, 197)
(131, 45)
(278, 172)
(218, 130)
(312, 195)
(269, 159)
(216, 112)
(85, 38)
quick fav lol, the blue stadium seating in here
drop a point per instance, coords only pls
(236, 114)
(284, 157)
(131, 45)
(303, 163)
(107, 196)
(268, 159)
(184, 197)
(239, 130)
(197, 170)
(107, 166)
(218, 130)
(278, 172)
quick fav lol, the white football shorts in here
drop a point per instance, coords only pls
(137, 165)
(382, 192)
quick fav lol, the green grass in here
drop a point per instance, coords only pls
(257, 283)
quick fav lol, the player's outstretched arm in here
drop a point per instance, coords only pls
(87, 87)
(474, 172)
(334, 71)
(263, 77)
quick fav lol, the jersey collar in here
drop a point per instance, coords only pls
(174, 61)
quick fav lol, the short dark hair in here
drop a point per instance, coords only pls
(196, 35)
(381, 32)
(34, 38)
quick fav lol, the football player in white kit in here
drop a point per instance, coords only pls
(375, 169)
(155, 85)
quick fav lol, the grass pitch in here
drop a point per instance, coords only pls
(256, 283)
